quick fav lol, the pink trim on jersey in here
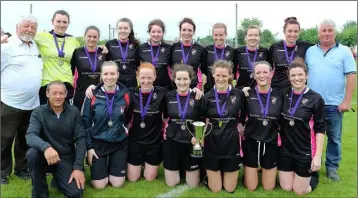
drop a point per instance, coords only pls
(169, 72)
(237, 72)
(279, 139)
(164, 127)
(75, 77)
(200, 79)
(313, 139)
(131, 122)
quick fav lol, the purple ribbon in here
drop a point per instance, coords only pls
(264, 111)
(110, 103)
(185, 57)
(123, 54)
(156, 58)
(93, 66)
(222, 54)
(221, 110)
(288, 59)
(292, 111)
(59, 52)
(144, 111)
(251, 63)
(182, 113)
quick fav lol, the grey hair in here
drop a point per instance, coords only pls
(29, 18)
(261, 63)
(56, 82)
(329, 22)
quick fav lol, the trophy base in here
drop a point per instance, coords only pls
(197, 154)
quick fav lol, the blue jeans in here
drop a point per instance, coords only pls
(334, 120)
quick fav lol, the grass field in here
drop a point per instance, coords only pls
(347, 187)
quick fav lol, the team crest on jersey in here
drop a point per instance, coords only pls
(273, 100)
(191, 102)
(296, 48)
(304, 101)
(122, 109)
(193, 51)
(163, 49)
(154, 95)
(261, 54)
(100, 57)
(131, 46)
(227, 54)
(233, 99)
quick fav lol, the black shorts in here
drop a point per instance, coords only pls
(286, 162)
(177, 156)
(224, 165)
(114, 164)
(268, 154)
(140, 153)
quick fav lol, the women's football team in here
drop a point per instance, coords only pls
(150, 95)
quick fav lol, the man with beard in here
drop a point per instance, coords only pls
(20, 63)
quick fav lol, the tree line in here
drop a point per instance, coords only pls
(346, 36)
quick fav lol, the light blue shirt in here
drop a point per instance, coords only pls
(327, 71)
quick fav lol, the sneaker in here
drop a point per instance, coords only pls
(4, 181)
(314, 180)
(333, 175)
(25, 174)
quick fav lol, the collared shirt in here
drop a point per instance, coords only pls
(327, 71)
(21, 74)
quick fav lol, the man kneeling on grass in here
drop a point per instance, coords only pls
(57, 142)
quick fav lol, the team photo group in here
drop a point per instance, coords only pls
(204, 113)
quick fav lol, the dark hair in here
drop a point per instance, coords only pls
(291, 20)
(61, 12)
(187, 20)
(297, 63)
(157, 22)
(92, 27)
(131, 37)
(55, 82)
(183, 67)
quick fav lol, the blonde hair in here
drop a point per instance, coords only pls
(183, 67)
(219, 25)
(108, 64)
(253, 27)
(225, 65)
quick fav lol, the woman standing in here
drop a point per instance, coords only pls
(56, 49)
(246, 56)
(222, 106)
(182, 107)
(105, 118)
(87, 61)
(301, 150)
(282, 54)
(188, 52)
(218, 51)
(157, 52)
(124, 51)
(260, 118)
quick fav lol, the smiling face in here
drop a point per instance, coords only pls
(221, 78)
(182, 81)
(297, 77)
(186, 32)
(146, 78)
(56, 95)
(252, 37)
(26, 30)
(327, 34)
(91, 38)
(60, 24)
(262, 75)
(156, 34)
(292, 32)
(109, 75)
(219, 36)
(124, 30)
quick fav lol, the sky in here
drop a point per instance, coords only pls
(103, 13)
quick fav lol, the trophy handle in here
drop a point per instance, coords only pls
(211, 128)
(186, 124)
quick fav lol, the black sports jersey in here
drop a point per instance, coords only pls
(226, 54)
(299, 140)
(173, 129)
(152, 132)
(242, 68)
(161, 65)
(127, 68)
(196, 57)
(277, 58)
(86, 77)
(256, 127)
(223, 140)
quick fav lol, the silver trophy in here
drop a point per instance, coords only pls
(200, 134)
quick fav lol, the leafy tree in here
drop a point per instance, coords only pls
(349, 36)
(267, 38)
(309, 35)
(244, 25)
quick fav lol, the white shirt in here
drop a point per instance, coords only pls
(21, 74)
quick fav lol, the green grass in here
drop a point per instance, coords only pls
(347, 187)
